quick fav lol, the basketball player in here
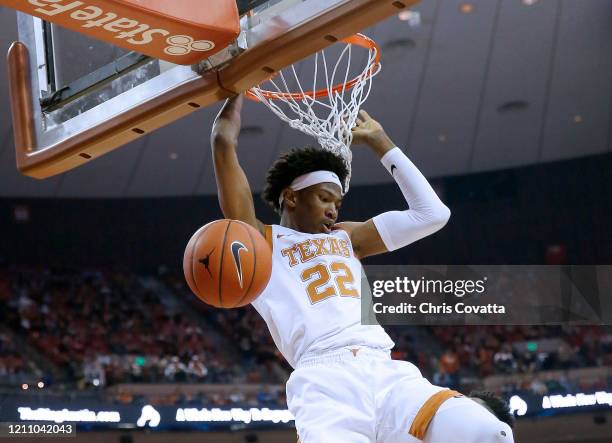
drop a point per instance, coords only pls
(345, 388)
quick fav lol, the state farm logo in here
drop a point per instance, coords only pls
(132, 31)
(184, 44)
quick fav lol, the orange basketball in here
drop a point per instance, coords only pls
(227, 263)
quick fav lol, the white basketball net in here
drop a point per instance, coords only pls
(327, 114)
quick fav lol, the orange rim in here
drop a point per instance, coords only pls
(358, 40)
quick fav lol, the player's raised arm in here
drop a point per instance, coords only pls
(396, 229)
(235, 195)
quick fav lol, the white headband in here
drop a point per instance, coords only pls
(311, 179)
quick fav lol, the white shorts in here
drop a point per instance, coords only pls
(356, 395)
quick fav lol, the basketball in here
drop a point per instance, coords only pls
(227, 263)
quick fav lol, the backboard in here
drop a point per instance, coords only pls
(75, 98)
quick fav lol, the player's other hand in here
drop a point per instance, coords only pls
(226, 127)
(368, 131)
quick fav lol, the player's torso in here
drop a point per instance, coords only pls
(313, 300)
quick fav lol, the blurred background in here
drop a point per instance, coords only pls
(505, 105)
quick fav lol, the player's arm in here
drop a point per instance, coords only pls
(235, 195)
(396, 229)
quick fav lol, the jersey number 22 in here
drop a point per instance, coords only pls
(319, 287)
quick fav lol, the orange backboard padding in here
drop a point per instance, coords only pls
(179, 31)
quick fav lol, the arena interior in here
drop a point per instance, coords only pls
(505, 105)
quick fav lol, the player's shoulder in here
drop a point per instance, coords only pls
(277, 232)
(347, 226)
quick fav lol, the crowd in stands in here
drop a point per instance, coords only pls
(547, 383)
(482, 351)
(15, 368)
(258, 356)
(271, 396)
(109, 327)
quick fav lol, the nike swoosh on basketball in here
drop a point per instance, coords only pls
(236, 248)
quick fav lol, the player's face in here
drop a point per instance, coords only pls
(317, 206)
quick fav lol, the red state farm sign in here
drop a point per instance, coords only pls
(179, 31)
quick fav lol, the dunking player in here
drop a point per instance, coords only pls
(345, 387)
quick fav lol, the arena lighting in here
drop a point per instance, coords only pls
(65, 415)
(24, 386)
(41, 385)
(576, 400)
(518, 405)
(405, 15)
(234, 415)
(412, 17)
(467, 8)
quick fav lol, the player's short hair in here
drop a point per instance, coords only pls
(497, 405)
(298, 162)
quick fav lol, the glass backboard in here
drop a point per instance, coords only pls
(75, 98)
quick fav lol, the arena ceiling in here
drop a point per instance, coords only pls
(475, 86)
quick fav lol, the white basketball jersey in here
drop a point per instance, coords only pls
(312, 302)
